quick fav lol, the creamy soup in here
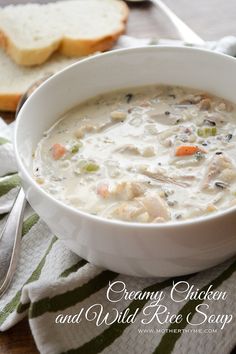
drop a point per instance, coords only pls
(151, 154)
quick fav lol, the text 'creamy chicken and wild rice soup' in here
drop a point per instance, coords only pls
(151, 154)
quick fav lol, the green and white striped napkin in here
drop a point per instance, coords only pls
(51, 283)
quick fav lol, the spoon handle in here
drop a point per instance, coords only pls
(184, 31)
(10, 240)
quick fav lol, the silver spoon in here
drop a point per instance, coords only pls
(185, 32)
(10, 240)
(10, 237)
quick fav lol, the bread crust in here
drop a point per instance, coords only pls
(9, 101)
(66, 46)
(77, 48)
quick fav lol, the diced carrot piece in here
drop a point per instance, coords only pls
(58, 151)
(103, 191)
(186, 150)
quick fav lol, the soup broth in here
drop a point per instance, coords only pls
(150, 154)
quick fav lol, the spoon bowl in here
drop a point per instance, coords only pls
(184, 31)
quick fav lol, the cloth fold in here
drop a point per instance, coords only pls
(67, 299)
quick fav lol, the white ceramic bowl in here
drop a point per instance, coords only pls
(131, 248)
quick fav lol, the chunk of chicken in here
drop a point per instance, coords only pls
(87, 128)
(131, 211)
(122, 191)
(220, 168)
(148, 151)
(144, 209)
(129, 149)
(166, 135)
(128, 190)
(156, 207)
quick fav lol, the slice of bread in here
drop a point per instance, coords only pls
(30, 33)
(15, 79)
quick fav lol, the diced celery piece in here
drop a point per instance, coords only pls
(213, 131)
(75, 148)
(206, 132)
(200, 132)
(91, 167)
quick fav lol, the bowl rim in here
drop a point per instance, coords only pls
(116, 222)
